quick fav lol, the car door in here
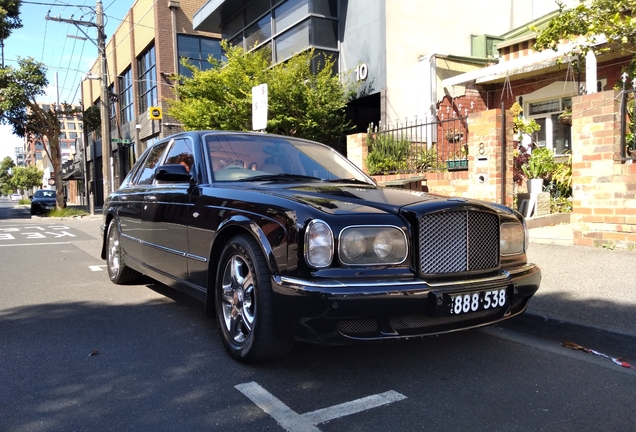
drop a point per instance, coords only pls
(130, 201)
(165, 214)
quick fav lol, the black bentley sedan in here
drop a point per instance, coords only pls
(284, 239)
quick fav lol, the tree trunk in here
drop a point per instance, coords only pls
(56, 161)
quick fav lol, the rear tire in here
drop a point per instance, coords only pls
(118, 272)
(244, 304)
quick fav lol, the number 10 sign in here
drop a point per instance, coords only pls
(259, 107)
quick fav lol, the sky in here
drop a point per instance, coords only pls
(67, 60)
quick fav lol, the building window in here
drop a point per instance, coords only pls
(70, 126)
(147, 66)
(72, 135)
(290, 13)
(197, 50)
(126, 96)
(259, 32)
(292, 41)
(289, 26)
(553, 134)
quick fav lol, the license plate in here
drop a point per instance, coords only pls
(475, 301)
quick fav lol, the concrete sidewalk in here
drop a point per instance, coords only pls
(584, 286)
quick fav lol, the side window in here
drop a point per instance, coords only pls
(181, 153)
(147, 172)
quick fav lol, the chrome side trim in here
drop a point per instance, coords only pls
(165, 249)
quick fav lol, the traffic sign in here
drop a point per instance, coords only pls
(120, 141)
(259, 107)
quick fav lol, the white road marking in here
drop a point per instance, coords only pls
(294, 422)
(356, 406)
(34, 244)
(97, 267)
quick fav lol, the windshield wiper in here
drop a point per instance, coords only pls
(281, 176)
(348, 180)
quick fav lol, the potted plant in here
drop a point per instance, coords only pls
(454, 135)
(539, 167)
(459, 161)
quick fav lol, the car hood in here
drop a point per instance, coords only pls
(332, 198)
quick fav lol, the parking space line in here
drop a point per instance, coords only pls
(97, 267)
(288, 419)
(33, 244)
(356, 406)
(294, 422)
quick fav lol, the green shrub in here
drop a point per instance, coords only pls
(428, 159)
(387, 154)
(67, 212)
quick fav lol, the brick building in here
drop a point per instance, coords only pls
(142, 55)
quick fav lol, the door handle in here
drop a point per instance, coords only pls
(150, 197)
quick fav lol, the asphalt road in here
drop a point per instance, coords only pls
(81, 354)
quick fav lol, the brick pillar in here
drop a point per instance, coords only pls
(357, 150)
(485, 151)
(603, 186)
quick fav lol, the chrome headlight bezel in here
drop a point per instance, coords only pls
(375, 240)
(319, 244)
(512, 238)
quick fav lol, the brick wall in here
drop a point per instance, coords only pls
(484, 177)
(604, 187)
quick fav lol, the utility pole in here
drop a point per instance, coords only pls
(104, 98)
(105, 102)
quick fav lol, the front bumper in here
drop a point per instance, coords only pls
(337, 311)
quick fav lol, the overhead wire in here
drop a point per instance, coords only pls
(83, 7)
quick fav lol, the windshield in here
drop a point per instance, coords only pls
(245, 157)
(44, 194)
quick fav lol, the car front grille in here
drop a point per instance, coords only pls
(461, 241)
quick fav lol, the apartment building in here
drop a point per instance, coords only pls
(390, 47)
(71, 131)
(142, 57)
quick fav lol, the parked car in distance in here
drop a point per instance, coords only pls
(16, 197)
(284, 239)
(43, 201)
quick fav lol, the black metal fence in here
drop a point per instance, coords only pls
(416, 147)
(628, 125)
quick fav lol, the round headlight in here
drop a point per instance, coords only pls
(383, 244)
(318, 244)
(353, 244)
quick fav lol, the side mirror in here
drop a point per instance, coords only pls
(173, 173)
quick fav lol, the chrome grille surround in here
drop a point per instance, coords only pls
(458, 241)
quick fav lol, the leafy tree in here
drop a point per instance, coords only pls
(583, 24)
(27, 178)
(6, 173)
(19, 88)
(9, 20)
(301, 102)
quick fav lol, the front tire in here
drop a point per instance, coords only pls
(118, 272)
(244, 304)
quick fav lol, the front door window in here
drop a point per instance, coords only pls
(553, 134)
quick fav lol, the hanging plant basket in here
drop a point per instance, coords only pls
(454, 135)
(566, 118)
